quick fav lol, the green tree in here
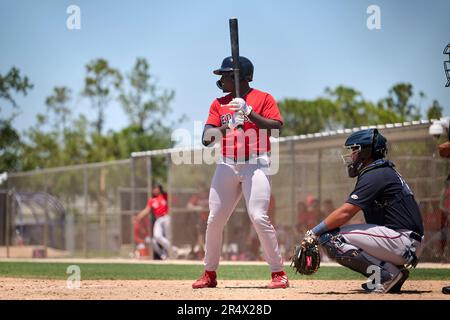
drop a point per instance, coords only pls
(10, 142)
(398, 101)
(56, 139)
(142, 103)
(13, 81)
(99, 83)
(9, 146)
(382, 115)
(57, 103)
(352, 110)
(304, 116)
(76, 146)
(343, 107)
(434, 111)
(41, 149)
(131, 139)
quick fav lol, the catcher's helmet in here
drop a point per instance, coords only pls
(245, 67)
(367, 144)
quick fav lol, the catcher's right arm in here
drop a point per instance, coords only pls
(306, 258)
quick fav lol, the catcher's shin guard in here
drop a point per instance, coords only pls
(357, 260)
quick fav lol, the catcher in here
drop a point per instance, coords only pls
(389, 244)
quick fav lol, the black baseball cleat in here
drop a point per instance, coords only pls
(391, 286)
(398, 286)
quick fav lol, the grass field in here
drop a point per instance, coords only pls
(98, 271)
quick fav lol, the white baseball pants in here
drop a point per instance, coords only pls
(228, 183)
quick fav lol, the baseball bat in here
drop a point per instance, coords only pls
(234, 37)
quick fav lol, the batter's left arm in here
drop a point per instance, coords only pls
(264, 123)
(239, 105)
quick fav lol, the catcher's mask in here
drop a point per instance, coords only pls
(363, 145)
(447, 65)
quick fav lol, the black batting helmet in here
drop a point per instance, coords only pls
(245, 68)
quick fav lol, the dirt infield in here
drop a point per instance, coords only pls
(14, 288)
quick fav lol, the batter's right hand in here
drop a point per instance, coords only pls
(239, 104)
(237, 119)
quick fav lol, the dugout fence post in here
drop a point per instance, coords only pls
(293, 179)
(101, 212)
(148, 165)
(133, 194)
(46, 222)
(85, 211)
(9, 196)
(168, 160)
(319, 180)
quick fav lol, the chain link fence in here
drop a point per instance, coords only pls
(87, 210)
(77, 211)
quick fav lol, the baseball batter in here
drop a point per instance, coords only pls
(390, 242)
(243, 125)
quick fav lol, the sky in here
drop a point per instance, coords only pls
(298, 48)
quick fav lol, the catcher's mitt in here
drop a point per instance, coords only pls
(306, 258)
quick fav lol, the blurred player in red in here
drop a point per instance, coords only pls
(161, 227)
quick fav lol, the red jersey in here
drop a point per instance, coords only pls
(158, 205)
(251, 138)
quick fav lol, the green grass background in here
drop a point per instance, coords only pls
(97, 271)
